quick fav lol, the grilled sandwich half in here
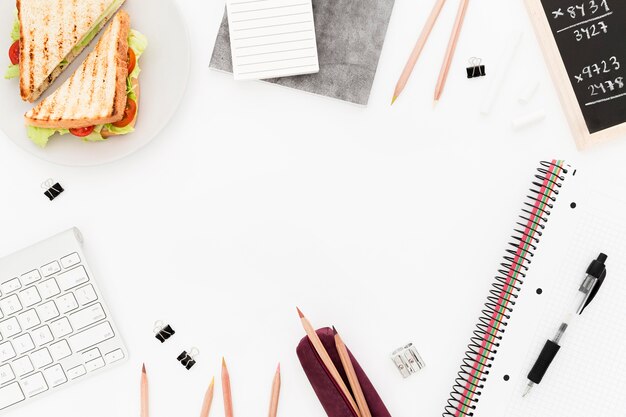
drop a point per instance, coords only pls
(52, 34)
(99, 99)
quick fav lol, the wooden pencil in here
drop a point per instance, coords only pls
(208, 399)
(417, 50)
(454, 39)
(226, 391)
(145, 410)
(275, 394)
(352, 377)
(330, 366)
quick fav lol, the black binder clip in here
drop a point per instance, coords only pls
(53, 190)
(162, 331)
(475, 69)
(188, 359)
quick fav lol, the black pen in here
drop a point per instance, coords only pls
(587, 291)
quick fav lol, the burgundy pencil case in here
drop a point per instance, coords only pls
(328, 392)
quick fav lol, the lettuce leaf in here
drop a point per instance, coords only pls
(40, 136)
(15, 33)
(12, 72)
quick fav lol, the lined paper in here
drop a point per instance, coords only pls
(272, 38)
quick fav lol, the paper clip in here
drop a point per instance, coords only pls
(408, 360)
(188, 359)
(52, 189)
(476, 69)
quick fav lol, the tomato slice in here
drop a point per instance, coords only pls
(129, 114)
(132, 60)
(81, 132)
(14, 53)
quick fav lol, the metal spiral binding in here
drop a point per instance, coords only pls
(476, 363)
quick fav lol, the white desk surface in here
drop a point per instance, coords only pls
(386, 222)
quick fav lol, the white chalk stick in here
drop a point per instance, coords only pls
(501, 71)
(527, 120)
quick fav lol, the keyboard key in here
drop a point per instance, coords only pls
(60, 350)
(29, 319)
(10, 305)
(30, 297)
(6, 374)
(85, 295)
(10, 327)
(34, 384)
(42, 335)
(55, 375)
(49, 288)
(87, 316)
(91, 337)
(10, 286)
(23, 343)
(91, 354)
(61, 327)
(23, 366)
(48, 311)
(6, 351)
(72, 278)
(41, 358)
(11, 394)
(94, 364)
(114, 356)
(66, 303)
(76, 372)
(70, 260)
(50, 269)
(30, 277)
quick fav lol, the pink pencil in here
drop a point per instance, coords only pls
(454, 39)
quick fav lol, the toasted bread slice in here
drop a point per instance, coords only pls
(52, 34)
(96, 93)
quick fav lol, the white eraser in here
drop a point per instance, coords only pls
(527, 120)
(528, 92)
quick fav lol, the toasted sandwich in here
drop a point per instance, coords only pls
(100, 99)
(49, 34)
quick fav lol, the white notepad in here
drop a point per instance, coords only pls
(588, 375)
(272, 38)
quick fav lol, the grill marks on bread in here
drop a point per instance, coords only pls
(50, 29)
(96, 93)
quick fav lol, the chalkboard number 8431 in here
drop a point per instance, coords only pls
(591, 31)
(585, 8)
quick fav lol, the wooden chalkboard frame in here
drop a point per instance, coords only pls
(561, 79)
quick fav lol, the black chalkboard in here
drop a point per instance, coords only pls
(591, 38)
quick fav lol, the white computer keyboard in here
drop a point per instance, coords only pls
(55, 328)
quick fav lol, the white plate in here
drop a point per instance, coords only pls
(163, 79)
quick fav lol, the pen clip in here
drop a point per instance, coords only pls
(595, 290)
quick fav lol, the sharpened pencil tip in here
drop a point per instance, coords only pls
(300, 313)
(212, 384)
(223, 362)
(278, 368)
(143, 368)
(393, 100)
(334, 331)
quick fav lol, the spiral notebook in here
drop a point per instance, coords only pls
(564, 224)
